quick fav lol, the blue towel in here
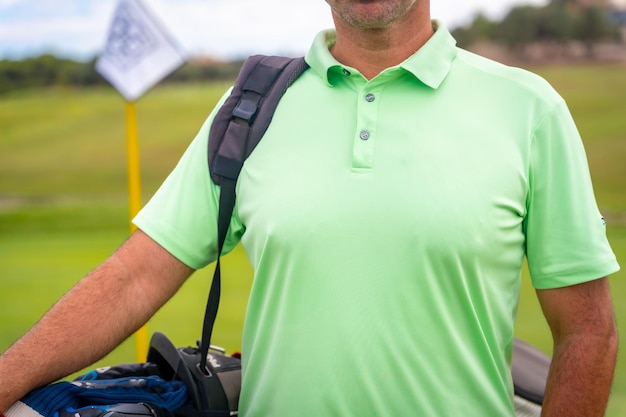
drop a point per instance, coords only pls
(49, 400)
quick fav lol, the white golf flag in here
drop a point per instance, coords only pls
(139, 51)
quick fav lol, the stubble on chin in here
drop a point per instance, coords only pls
(370, 14)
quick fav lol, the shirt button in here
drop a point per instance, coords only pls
(346, 72)
(370, 97)
(364, 135)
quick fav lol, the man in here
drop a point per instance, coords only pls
(386, 212)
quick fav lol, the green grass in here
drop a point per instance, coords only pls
(63, 199)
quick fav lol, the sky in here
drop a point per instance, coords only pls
(221, 29)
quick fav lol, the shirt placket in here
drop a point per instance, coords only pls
(365, 135)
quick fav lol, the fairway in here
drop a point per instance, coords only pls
(63, 199)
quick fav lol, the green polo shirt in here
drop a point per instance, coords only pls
(387, 221)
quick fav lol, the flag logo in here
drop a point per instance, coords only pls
(139, 51)
(129, 39)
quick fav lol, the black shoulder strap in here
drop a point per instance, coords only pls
(237, 128)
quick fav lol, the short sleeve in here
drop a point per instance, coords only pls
(182, 214)
(566, 240)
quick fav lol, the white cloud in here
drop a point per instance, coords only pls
(7, 3)
(230, 28)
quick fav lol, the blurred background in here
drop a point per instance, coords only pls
(64, 203)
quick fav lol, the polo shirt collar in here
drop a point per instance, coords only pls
(430, 64)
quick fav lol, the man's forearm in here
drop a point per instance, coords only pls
(580, 376)
(80, 329)
(95, 316)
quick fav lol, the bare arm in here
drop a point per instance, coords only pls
(102, 310)
(583, 327)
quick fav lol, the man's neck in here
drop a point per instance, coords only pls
(372, 50)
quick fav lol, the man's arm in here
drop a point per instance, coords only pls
(100, 312)
(583, 327)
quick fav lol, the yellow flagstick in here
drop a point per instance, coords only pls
(134, 193)
(132, 75)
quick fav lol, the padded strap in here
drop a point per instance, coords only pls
(245, 115)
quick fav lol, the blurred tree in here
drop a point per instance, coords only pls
(559, 21)
(481, 28)
(593, 26)
(48, 70)
(519, 27)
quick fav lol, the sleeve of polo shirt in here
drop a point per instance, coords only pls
(566, 240)
(182, 214)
